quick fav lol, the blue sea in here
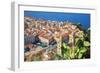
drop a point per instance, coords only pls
(82, 18)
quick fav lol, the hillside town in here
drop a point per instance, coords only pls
(43, 39)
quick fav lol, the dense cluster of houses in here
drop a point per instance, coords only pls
(43, 38)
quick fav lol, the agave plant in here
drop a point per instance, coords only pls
(81, 47)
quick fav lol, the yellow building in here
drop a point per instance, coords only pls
(58, 38)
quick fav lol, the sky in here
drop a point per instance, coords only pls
(82, 18)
